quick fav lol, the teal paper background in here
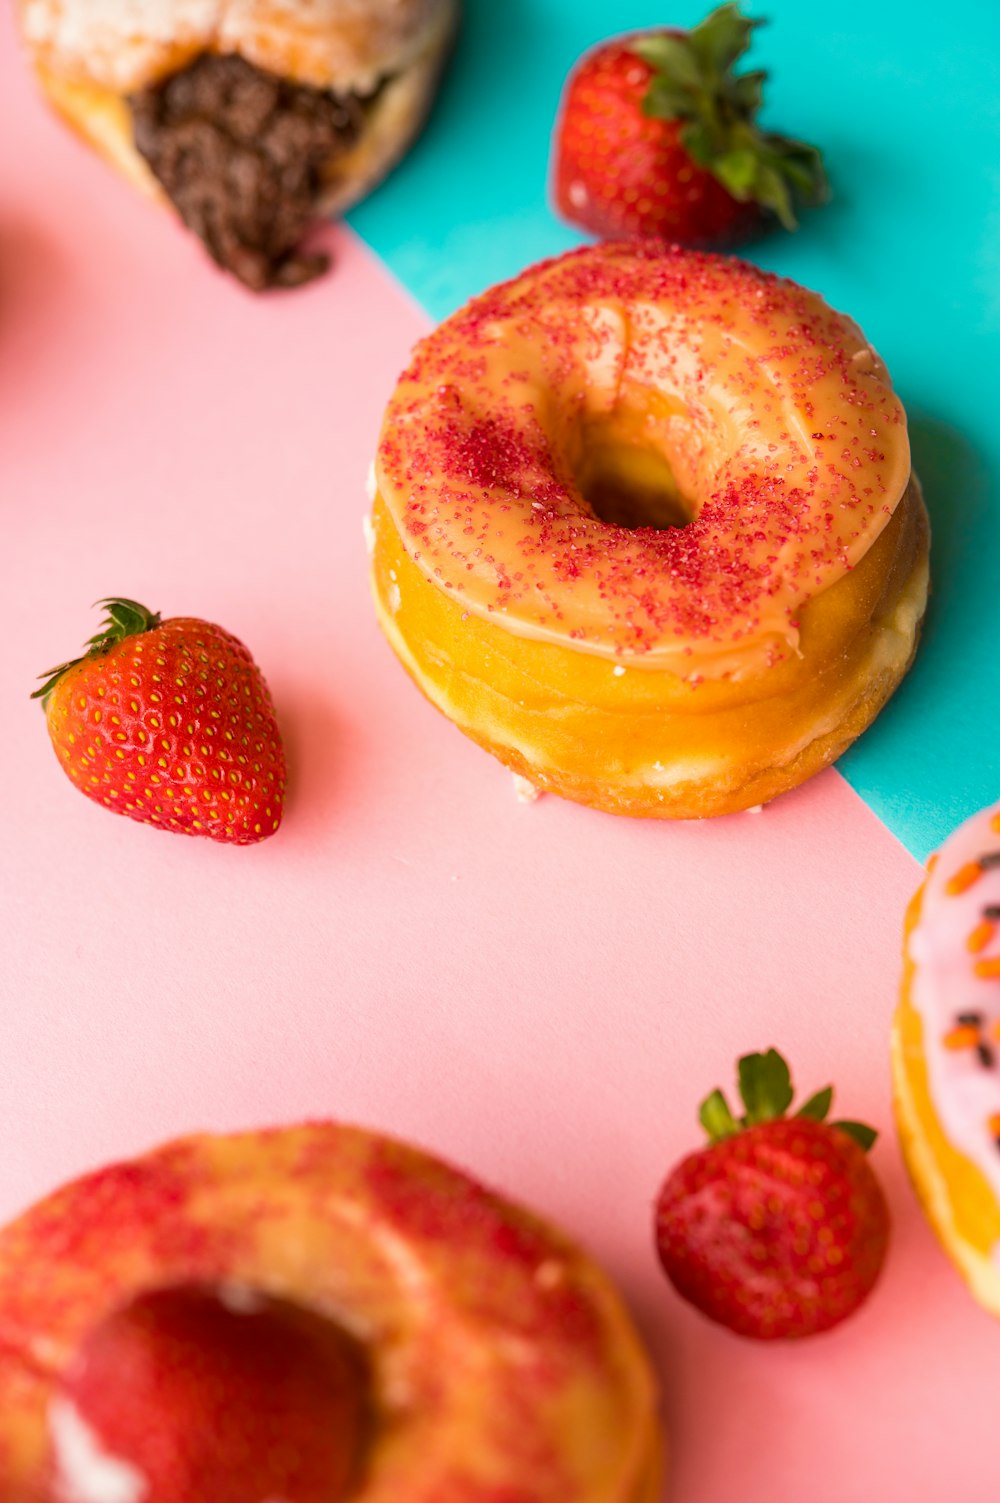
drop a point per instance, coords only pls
(904, 99)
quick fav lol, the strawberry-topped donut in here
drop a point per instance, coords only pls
(311, 1314)
(645, 528)
(946, 1050)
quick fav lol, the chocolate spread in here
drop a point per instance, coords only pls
(240, 153)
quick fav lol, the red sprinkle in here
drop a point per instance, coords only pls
(481, 439)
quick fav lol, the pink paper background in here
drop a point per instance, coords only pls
(540, 993)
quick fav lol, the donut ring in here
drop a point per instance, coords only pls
(645, 528)
(481, 1323)
(946, 1051)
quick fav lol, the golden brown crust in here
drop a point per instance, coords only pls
(642, 742)
(392, 122)
(103, 120)
(126, 45)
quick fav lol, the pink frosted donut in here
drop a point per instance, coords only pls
(946, 1050)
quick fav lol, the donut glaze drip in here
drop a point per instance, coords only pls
(773, 419)
(955, 948)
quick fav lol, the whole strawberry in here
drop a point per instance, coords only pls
(779, 1228)
(658, 137)
(170, 723)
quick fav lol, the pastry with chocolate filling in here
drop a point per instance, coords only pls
(251, 117)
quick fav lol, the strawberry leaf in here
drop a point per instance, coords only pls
(671, 55)
(748, 90)
(771, 191)
(818, 1106)
(667, 101)
(766, 1089)
(699, 142)
(722, 38)
(716, 1118)
(693, 82)
(125, 618)
(765, 1086)
(803, 166)
(862, 1134)
(737, 171)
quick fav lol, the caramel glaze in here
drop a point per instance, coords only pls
(645, 528)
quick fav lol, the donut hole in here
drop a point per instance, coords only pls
(629, 483)
(194, 1391)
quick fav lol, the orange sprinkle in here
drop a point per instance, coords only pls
(932, 862)
(963, 879)
(989, 970)
(995, 824)
(995, 1030)
(964, 1036)
(980, 936)
(993, 1123)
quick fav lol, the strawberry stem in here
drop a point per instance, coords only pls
(125, 618)
(693, 82)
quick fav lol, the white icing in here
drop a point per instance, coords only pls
(85, 1473)
(965, 1091)
(524, 789)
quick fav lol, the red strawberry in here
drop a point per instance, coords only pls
(779, 1227)
(657, 137)
(170, 723)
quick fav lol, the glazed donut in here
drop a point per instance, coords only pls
(500, 1360)
(946, 1050)
(644, 527)
(208, 103)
